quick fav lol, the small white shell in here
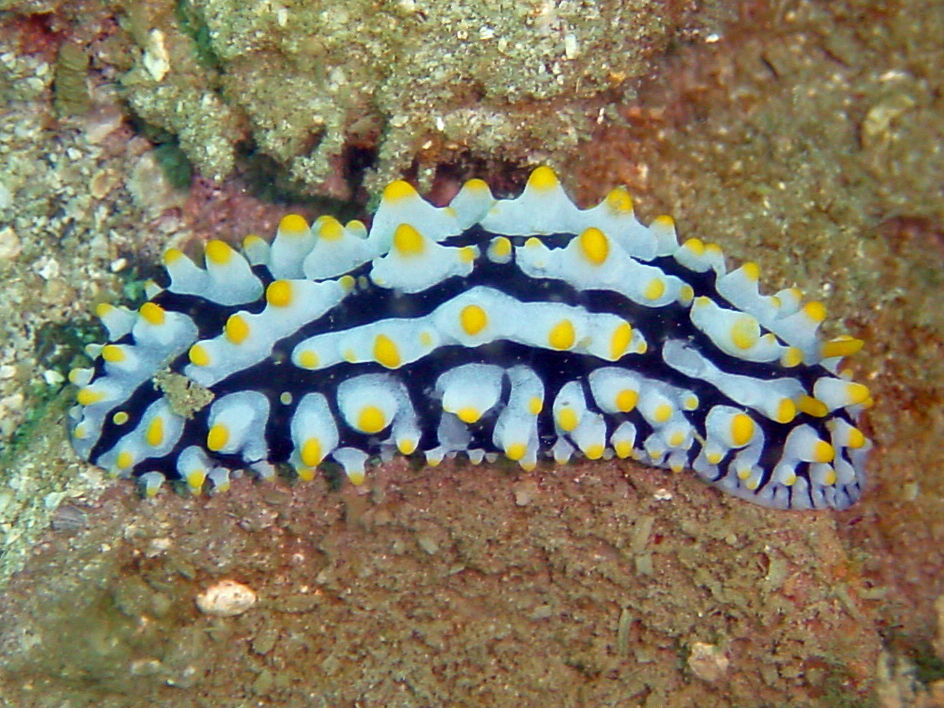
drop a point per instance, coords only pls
(226, 598)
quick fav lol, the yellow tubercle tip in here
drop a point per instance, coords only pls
(501, 247)
(330, 229)
(623, 449)
(104, 309)
(593, 452)
(713, 457)
(279, 293)
(88, 396)
(619, 201)
(745, 332)
(664, 221)
(237, 329)
(125, 460)
(662, 413)
(407, 241)
(155, 432)
(786, 411)
(594, 245)
(515, 451)
(198, 355)
(695, 245)
(357, 477)
(252, 241)
(655, 289)
(811, 406)
(714, 249)
(426, 339)
(533, 242)
(815, 310)
(823, 451)
(751, 271)
(305, 474)
(620, 340)
(398, 190)
(217, 437)
(858, 393)
(686, 294)
(386, 352)
(792, 356)
(172, 255)
(567, 419)
(113, 353)
(308, 359)
(535, 405)
(676, 439)
(371, 420)
(841, 346)
(473, 319)
(626, 400)
(562, 335)
(120, 418)
(742, 429)
(468, 414)
(195, 480)
(743, 473)
(406, 446)
(476, 184)
(311, 453)
(347, 282)
(527, 465)
(293, 225)
(218, 252)
(467, 254)
(152, 313)
(543, 179)
(856, 439)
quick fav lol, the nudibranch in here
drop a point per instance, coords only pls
(522, 327)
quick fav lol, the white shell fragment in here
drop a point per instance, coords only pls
(226, 598)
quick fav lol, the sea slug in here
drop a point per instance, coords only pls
(525, 327)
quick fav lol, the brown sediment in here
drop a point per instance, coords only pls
(456, 584)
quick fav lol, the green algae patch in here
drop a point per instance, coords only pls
(192, 24)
